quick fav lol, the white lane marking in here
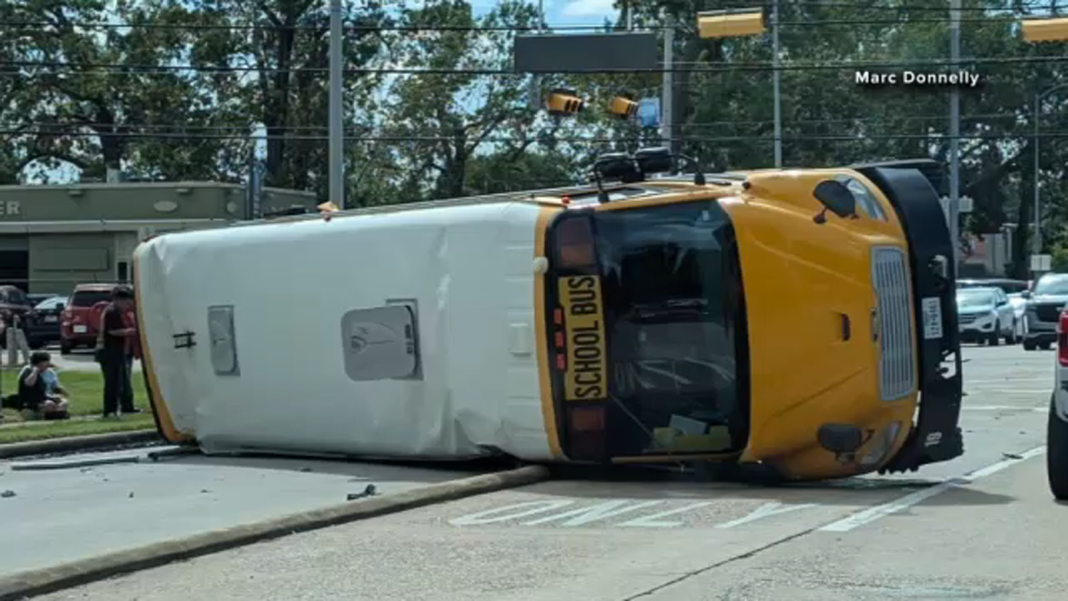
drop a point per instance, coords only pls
(509, 512)
(1043, 380)
(656, 520)
(764, 511)
(585, 515)
(1003, 408)
(879, 511)
(1013, 391)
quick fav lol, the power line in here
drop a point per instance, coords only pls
(248, 127)
(320, 29)
(513, 28)
(545, 138)
(120, 69)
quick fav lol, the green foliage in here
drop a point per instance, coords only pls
(443, 134)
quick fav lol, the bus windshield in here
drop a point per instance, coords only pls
(674, 329)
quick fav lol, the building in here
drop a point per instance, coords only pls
(54, 237)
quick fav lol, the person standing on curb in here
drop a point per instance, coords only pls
(114, 345)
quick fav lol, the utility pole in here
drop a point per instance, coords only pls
(667, 92)
(954, 132)
(336, 125)
(777, 75)
(1036, 238)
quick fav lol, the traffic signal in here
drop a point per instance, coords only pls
(564, 102)
(1044, 30)
(623, 107)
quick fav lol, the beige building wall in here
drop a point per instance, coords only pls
(88, 232)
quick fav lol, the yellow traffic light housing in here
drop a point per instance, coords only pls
(623, 107)
(1045, 30)
(564, 102)
(731, 23)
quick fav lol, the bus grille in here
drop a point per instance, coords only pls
(897, 375)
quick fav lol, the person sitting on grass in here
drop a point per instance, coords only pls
(34, 397)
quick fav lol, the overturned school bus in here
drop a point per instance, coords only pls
(801, 321)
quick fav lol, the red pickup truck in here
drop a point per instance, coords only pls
(80, 323)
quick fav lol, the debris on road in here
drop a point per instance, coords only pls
(7, 494)
(370, 491)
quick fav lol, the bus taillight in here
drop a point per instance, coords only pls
(574, 241)
(586, 433)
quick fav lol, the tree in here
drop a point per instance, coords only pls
(457, 112)
(104, 100)
(285, 44)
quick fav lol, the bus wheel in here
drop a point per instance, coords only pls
(1057, 453)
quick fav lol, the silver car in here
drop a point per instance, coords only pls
(1044, 303)
(985, 314)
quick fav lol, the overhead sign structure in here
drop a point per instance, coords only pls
(551, 53)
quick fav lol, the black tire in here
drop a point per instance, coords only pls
(1045, 346)
(1011, 338)
(64, 348)
(1057, 454)
(1028, 345)
(995, 336)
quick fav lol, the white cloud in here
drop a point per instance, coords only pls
(588, 8)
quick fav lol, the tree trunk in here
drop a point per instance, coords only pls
(276, 116)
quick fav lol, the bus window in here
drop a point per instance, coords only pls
(671, 307)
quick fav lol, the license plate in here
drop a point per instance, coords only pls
(586, 371)
(80, 329)
(51, 319)
(932, 318)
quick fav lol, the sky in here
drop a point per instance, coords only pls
(565, 12)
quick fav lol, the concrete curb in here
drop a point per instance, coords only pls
(76, 443)
(39, 582)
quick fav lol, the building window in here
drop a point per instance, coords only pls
(124, 271)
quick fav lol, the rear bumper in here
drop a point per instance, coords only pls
(936, 435)
(1041, 337)
(43, 333)
(78, 339)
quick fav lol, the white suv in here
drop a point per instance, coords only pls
(1057, 429)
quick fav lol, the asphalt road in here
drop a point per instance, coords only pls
(53, 516)
(981, 527)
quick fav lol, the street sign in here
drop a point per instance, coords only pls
(649, 112)
(1040, 262)
(551, 53)
(965, 204)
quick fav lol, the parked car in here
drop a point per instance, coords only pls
(1014, 289)
(42, 323)
(1044, 303)
(1057, 426)
(77, 328)
(985, 314)
(37, 298)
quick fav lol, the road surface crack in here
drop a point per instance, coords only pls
(722, 563)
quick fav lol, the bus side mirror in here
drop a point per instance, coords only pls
(835, 197)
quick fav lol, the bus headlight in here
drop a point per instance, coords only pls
(881, 444)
